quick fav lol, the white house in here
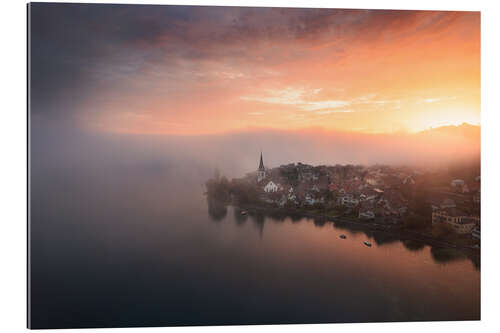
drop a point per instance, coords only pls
(366, 215)
(348, 200)
(457, 182)
(271, 187)
(309, 199)
(372, 181)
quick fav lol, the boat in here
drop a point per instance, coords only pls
(367, 243)
(244, 212)
(343, 236)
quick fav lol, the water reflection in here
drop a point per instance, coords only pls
(239, 217)
(218, 211)
(413, 245)
(444, 255)
(259, 220)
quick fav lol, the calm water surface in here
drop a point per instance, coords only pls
(139, 247)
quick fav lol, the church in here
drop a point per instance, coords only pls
(261, 172)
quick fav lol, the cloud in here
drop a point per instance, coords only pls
(431, 100)
(324, 112)
(298, 97)
(438, 99)
(312, 106)
(370, 99)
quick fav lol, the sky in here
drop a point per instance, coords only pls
(187, 70)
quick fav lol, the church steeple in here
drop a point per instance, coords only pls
(261, 173)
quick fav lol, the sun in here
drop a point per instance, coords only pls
(438, 117)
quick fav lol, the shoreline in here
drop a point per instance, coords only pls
(401, 233)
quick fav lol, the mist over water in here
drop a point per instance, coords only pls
(122, 236)
(64, 145)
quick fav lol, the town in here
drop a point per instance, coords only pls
(435, 203)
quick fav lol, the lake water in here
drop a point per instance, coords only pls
(137, 246)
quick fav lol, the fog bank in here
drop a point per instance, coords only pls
(234, 154)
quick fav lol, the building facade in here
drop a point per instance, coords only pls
(459, 222)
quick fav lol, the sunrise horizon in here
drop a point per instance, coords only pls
(318, 129)
(190, 70)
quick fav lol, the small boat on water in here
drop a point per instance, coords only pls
(343, 236)
(367, 243)
(244, 212)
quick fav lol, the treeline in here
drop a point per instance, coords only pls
(235, 191)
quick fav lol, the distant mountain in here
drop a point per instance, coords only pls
(465, 130)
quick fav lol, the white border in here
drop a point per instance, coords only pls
(13, 165)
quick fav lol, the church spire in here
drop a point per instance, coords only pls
(261, 173)
(261, 164)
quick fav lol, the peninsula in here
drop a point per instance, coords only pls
(440, 206)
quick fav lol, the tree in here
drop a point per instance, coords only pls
(416, 221)
(218, 189)
(243, 192)
(441, 230)
(422, 207)
(291, 174)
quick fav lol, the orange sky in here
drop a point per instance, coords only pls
(231, 69)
